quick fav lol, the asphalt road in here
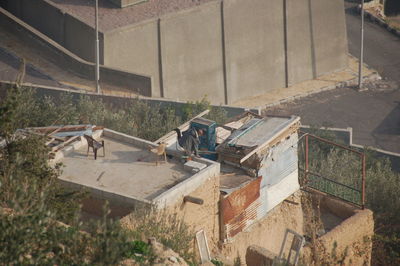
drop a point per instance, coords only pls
(374, 114)
(381, 48)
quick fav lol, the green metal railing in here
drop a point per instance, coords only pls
(354, 193)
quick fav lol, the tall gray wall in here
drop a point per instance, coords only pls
(225, 49)
(300, 43)
(232, 49)
(254, 43)
(191, 50)
(79, 38)
(329, 35)
(135, 48)
(70, 32)
(56, 53)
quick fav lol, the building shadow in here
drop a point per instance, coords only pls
(102, 3)
(391, 124)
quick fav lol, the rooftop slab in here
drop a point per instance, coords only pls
(125, 170)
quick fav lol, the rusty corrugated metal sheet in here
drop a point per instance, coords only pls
(243, 220)
(236, 202)
(239, 208)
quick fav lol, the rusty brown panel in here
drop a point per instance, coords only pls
(236, 202)
(239, 223)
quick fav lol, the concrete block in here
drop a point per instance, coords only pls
(256, 256)
(193, 166)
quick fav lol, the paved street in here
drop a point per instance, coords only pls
(374, 114)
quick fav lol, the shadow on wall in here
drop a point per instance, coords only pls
(102, 4)
(392, 7)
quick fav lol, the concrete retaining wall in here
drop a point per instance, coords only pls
(329, 35)
(69, 61)
(135, 49)
(232, 49)
(254, 43)
(51, 24)
(70, 32)
(300, 41)
(79, 38)
(226, 49)
(191, 54)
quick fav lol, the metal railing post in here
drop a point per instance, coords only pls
(97, 70)
(363, 182)
(360, 78)
(306, 159)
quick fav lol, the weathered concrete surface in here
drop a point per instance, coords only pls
(80, 39)
(351, 241)
(10, 68)
(308, 87)
(300, 41)
(126, 170)
(69, 31)
(191, 54)
(223, 49)
(52, 24)
(135, 49)
(268, 232)
(47, 52)
(254, 39)
(205, 216)
(329, 35)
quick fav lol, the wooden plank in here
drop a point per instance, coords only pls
(181, 127)
(265, 144)
(61, 145)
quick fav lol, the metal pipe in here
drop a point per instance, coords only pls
(360, 78)
(193, 200)
(97, 71)
(363, 182)
(306, 159)
(333, 143)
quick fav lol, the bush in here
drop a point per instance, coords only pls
(382, 190)
(169, 229)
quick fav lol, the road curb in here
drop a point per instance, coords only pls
(371, 77)
(379, 21)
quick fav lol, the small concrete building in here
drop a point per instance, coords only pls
(248, 196)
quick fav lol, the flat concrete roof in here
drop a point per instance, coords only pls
(125, 170)
(112, 17)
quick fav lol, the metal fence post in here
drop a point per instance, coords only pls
(363, 182)
(306, 159)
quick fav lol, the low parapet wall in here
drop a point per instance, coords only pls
(54, 52)
(231, 111)
(348, 243)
